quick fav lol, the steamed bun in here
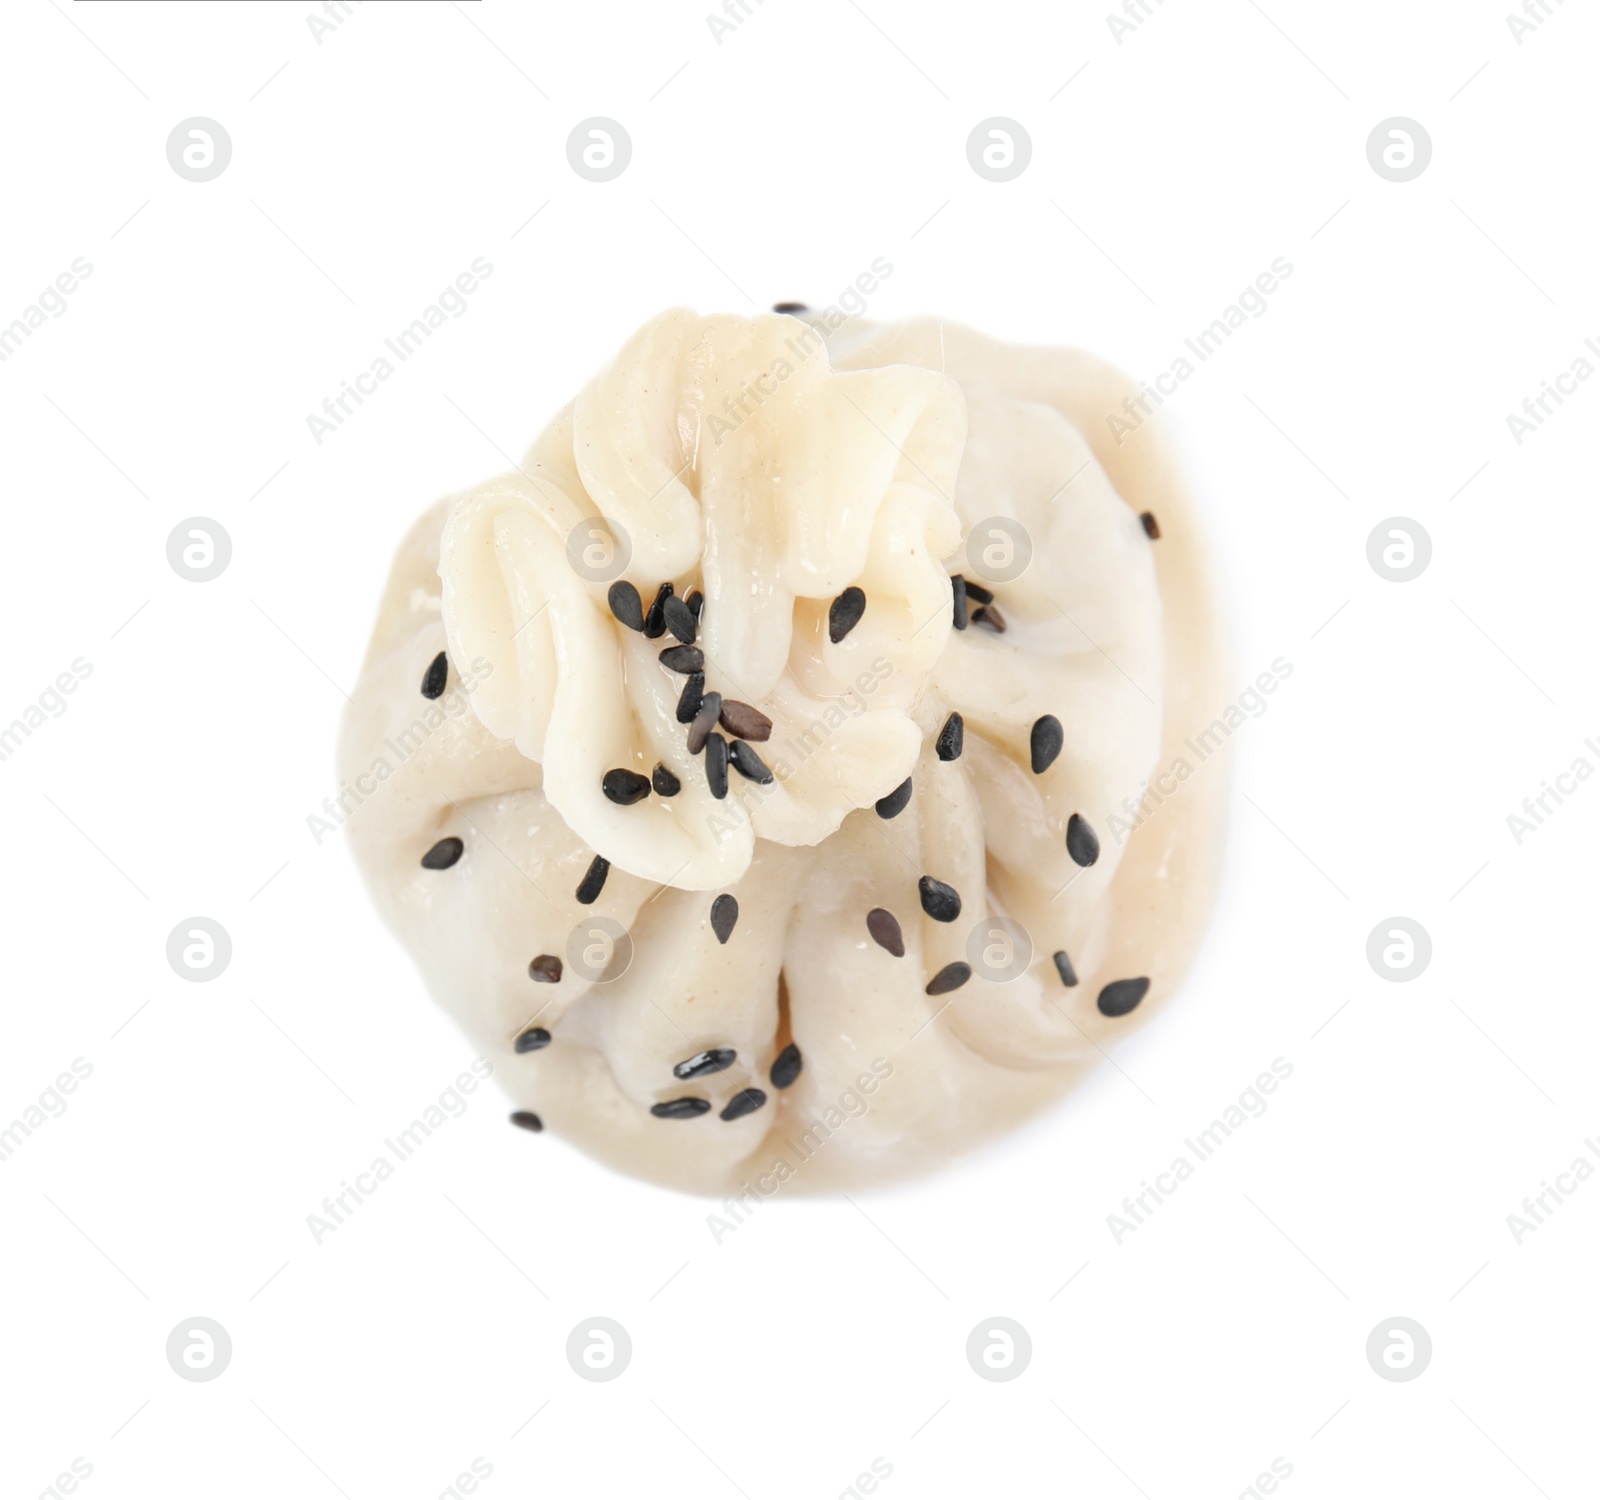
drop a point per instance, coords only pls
(783, 773)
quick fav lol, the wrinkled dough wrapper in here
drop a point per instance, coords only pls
(772, 469)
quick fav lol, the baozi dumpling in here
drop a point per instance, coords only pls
(784, 773)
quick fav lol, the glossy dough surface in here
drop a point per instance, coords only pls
(773, 466)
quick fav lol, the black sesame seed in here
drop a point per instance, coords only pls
(443, 854)
(989, 614)
(679, 619)
(748, 764)
(939, 900)
(951, 738)
(545, 969)
(697, 603)
(689, 698)
(680, 1109)
(534, 1039)
(885, 931)
(703, 1064)
(717, 766)
(434, 679)
(844, 614)
(665, 783)
(1082, 844)
(1121, 995)
(1069, 975)
(594, 880)
(786, 1067)
(950, 977)
(527, 1120)
(1152, 527)
(745, 722)
(958, 602)
(655, 625)
(625, 604)
(790, 307)
(684, 659)
(625, 787)
(1044, 743)
(895, 803)
(704, 721)
(724, 913)
(745, 1102)
(978, 592)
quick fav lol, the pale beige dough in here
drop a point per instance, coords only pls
(743, 458)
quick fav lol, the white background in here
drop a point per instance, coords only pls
(1167, 172)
